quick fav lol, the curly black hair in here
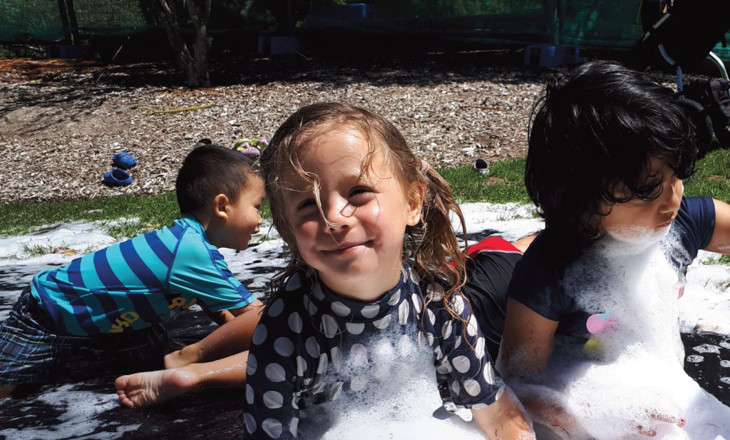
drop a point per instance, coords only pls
(597, 129)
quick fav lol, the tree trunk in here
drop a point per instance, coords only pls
(194, 65)
(199, 11)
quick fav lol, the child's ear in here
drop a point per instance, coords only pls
(220, 206)
(416, 194)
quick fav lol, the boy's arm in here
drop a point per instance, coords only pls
(230, 338)
(504, 419)
(720, 241)
(224, 316)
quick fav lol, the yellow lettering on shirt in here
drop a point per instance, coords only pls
(125, 320)
(181, 303)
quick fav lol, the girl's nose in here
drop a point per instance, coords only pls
(336, 213)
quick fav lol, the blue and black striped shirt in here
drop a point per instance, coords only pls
(139, 282)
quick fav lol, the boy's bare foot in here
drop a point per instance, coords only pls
(154, 387)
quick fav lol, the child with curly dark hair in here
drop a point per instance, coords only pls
(608, 151)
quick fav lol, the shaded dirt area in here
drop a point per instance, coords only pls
(62, 120)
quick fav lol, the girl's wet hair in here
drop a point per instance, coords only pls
(429, 246)
(594, 132)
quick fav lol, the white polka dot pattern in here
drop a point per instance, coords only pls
(355, 328)
(322, 364)
(259, 335)
(272, 427)
(276, 308)
(472, 387)
(283, 347)
(329, 326)
(404, 311)
(461, 364)
(382, 323)
(301, 366)
(250, 423)
(313, 345)
(273, 399)
(275, 373)
(336, 358)
(340, 309)
(295, 323)
(358, 383)
(251, 364)
(489, 374)
(249, 394)
(370, 311)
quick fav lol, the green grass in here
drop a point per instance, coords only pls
(503, 184)
(711, 178)
(143, 213)
(722, 259)
(150, 212)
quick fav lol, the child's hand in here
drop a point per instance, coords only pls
(618, 417)
(505, 419)
(649, 430)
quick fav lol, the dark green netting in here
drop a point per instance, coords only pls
(585, 23)
(49, 21)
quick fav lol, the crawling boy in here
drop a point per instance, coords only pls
(112, 302)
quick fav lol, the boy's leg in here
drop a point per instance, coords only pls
(28, 348)
(155, 387)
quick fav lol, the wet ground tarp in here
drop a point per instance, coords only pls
(85, 405)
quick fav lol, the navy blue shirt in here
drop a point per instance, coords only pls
(538, 283)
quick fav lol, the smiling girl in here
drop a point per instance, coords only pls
(371, 242)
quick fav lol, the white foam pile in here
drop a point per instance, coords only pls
(638, 379)
(394, 398)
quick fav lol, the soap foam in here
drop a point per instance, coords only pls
(393, 397)
(634, 369)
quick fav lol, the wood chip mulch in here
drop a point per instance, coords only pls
(61, 121)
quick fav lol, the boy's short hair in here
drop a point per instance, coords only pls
(207, 171)
(593, 130)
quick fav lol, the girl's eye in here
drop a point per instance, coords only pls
(304, 204)
(361, 195)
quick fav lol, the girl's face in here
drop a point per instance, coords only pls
(639, 219)
(356, 247)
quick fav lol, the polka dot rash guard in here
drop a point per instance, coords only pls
(312, 346)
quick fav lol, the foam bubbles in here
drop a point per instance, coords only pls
(631, 371)
(78, 418)
(395, 404)
(695, 358)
